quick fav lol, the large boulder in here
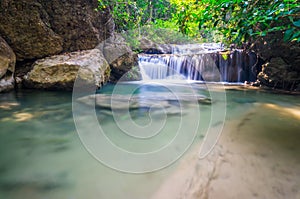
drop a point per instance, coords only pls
(277, 73)
(282, 59)
(122, 60)
(26, 26)
(7, 66)
(79, 23)
(59, 72)
(39, 28)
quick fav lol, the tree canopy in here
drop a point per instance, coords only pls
(228, 21)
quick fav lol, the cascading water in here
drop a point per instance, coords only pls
(203, 62)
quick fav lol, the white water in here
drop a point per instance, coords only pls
(197, 48)
(204, 62)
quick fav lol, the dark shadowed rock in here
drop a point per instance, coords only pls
(277, 73)
(282, 59)
(150, 47)
(7, 66)
(60, 71)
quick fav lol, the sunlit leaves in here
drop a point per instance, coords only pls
(236, 21)
(229, 21)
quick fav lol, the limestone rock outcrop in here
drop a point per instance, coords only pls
(59, 72)
(39, 28)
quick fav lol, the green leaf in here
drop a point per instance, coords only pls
(250, 32)
(288, 34)
(194, 15)
(224, 56)
(264, 33)
(297, 23)
(295, 35)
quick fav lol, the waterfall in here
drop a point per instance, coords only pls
(206, 62)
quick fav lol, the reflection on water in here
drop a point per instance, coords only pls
(41, 155)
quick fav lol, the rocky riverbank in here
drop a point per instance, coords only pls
(43, 44)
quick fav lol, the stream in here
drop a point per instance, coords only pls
(126, 139)
(43, 155)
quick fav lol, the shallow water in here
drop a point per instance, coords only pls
(42, 156)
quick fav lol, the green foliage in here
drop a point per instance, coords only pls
(150, 19)
(235, 21)
(157, 35)
(129, 14)
(227, 21)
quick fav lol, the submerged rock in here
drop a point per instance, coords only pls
(60, 72)
(21, 117)
(7, 66)
(8, 105)
(244, 100)
(135, 106)
(35, 184)
(142, 101)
